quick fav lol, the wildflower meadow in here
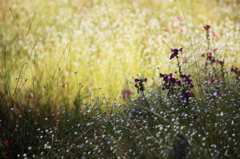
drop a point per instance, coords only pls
(124, 79)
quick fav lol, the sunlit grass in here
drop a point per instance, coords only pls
(65, 65)
(104, 44)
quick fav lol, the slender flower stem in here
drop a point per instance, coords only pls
(208, 39)
(179, 66)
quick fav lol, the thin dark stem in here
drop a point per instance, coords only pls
(208, 40)
(179, 66)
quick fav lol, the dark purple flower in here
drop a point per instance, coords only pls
(191, 94)
(174, 52)
(214, 81)
(211, 81)
(178, 82)
(171, 80)
(191, 85)
(140, 80)
(206, 27)
(170, 89)
(136, 80)
(217, 92)
(165, 77)
(161, 75)
(170, 75)
(172, 56)
(210, 55)
(186, 95)
(220, 62)
(235, 70)
(213, 60)
(139, 84)
(186, 78)
(136, 85)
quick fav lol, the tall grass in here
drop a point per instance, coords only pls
(68, 70)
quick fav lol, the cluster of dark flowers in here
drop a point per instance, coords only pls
(176, 86)
(139, 84)
(235, 70)
(209, 55)
(212, 59)
(181, 87)
(215, 83)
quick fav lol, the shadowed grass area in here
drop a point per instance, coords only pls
(119, 79)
